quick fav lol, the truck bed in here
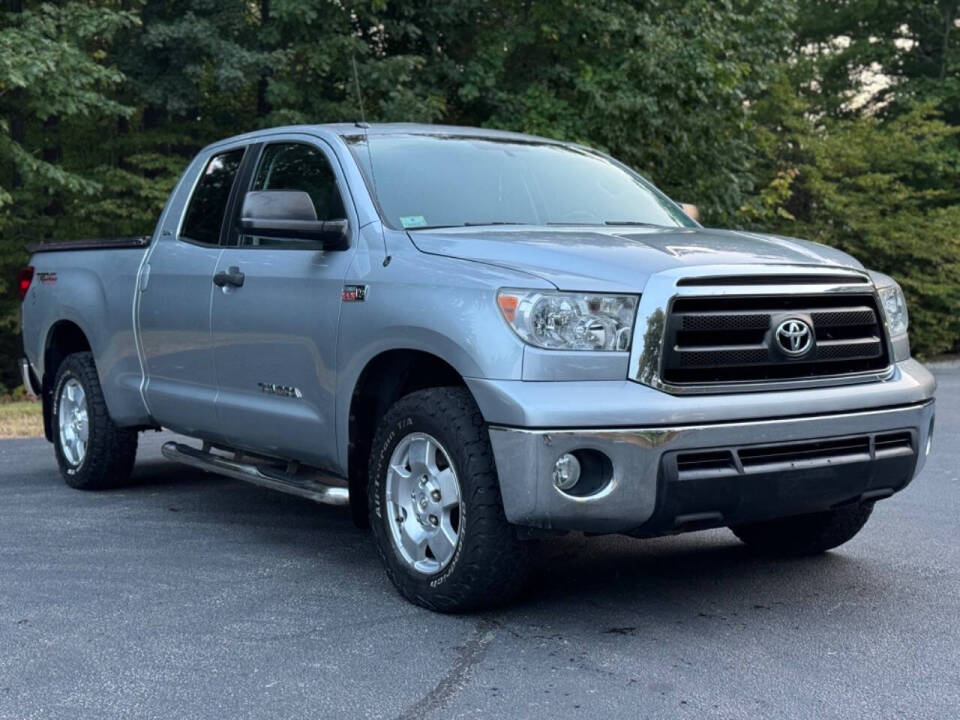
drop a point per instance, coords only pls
(93, 291)
(139, 241)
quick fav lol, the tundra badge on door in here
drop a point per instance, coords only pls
(282, 390)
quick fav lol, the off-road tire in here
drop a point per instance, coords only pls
(805, 534)
(489, 562)
(111, 450)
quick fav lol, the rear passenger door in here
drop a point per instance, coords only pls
(174, 305)
(274, 336)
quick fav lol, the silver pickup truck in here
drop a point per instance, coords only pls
(474, 339)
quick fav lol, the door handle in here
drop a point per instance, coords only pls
(231, 276)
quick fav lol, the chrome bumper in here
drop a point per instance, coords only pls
(26, 374)
(644, 470)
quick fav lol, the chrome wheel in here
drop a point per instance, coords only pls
(423, 504)
(73, 421)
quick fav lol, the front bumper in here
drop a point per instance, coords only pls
(772, 468)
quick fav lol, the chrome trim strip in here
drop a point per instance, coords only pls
(886, 373)
(662, 288)
(671, 430)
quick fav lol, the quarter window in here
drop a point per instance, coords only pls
(208, 205)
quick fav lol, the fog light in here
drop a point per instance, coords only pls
(566, 471)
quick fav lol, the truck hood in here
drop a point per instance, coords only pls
(619, 259)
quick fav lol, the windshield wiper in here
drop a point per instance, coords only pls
(430, 227)
(466, 224)
(633, 223)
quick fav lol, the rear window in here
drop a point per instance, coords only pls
(209, 202)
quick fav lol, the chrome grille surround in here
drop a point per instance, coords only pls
(706, 283)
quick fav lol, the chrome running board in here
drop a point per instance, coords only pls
(242, 467)
(27, 374)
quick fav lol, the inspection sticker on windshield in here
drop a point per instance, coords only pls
(413, 221)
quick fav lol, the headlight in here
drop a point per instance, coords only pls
(570, 321)
(894, 309)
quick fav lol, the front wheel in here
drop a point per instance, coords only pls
(435, 506)
(92, 452)
(806, 534)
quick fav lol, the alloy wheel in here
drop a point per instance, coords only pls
(423, 503)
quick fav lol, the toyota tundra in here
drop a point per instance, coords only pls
(473, 339)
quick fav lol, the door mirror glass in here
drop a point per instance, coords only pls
(289, 215)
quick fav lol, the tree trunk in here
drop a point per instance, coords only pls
(263, 105)
(17, 127)
(53, 154)
(950, 17)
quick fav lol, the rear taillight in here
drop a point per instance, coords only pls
(23, 281)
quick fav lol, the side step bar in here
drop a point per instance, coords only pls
(305, 487)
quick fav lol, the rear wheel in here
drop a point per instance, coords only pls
(92, 451)
(805, 534)
(435, 506)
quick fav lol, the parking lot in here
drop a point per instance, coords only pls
(191, 596)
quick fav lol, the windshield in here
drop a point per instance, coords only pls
(424, 181)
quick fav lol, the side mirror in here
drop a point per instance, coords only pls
(290, 214)
(692, 210)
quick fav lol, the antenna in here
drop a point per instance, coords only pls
(366, 139)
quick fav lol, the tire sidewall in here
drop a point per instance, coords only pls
(399, 423)
(67, 372)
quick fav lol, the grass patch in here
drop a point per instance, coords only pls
(21, 419)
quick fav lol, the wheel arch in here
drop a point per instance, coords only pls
(64, 338)
(386, 377)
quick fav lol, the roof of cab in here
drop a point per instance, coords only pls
(382, 129)
(353, 129)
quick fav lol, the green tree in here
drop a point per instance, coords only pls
(54, 82)
(883, 54)
(884, 190)
(829, 120)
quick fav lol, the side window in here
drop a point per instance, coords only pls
(295, 166)
(209, 202)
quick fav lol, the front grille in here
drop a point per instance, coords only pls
(732, 339)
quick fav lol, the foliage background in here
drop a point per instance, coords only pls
(833, 120)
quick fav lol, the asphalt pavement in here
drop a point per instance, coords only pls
(186, 595)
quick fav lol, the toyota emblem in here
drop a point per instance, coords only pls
(794, 337)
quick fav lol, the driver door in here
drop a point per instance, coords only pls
(274, 336)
